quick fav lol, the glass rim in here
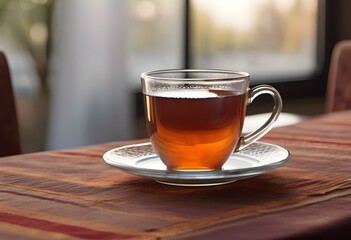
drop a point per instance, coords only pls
(236, 75)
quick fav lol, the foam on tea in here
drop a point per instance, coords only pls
(187, 124)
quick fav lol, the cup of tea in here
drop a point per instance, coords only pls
(194, 118)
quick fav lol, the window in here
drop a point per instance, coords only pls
(270, 39)
(273, 40)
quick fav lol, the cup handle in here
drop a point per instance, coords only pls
(246, 140)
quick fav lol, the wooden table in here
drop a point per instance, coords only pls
(72, 194)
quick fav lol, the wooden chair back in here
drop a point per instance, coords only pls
(339, 79)
(9, 130)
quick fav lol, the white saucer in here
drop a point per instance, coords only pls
(140, 159)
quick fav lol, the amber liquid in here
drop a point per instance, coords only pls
(194, 129)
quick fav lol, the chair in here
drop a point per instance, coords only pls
(339, 79)
(9, 131)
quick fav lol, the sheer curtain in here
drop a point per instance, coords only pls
(90, 96)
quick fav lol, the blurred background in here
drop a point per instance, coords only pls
(76, 64)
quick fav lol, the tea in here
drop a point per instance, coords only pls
(194, 129)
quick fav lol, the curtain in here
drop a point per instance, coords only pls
(90, 98)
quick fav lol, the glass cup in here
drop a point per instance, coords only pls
(194, 118)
